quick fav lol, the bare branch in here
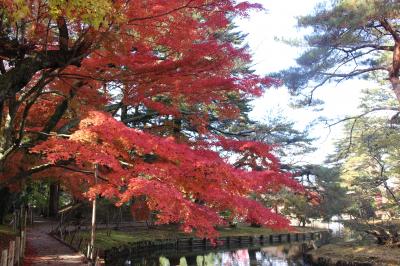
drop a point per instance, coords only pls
(353, 73)
(386, 25)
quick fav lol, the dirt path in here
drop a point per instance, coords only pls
(43, 249)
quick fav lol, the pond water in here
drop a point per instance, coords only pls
(279, 255)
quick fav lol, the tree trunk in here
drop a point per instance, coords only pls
(54, 196)
(394, 73)
(177, 129)
(303, 221)
(5, 198)
(252, 255)
(7, 129)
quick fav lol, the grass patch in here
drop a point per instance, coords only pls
(360, 252)
(6, 230)
(119, 238)
(124, 237)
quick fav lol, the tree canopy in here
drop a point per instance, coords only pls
(349, 38)
(132, 88)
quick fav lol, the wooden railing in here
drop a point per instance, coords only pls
(15, 252)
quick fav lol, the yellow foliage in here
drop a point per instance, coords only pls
(92, 12)
(19, 10)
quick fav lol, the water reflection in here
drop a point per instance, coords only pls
(282, 255)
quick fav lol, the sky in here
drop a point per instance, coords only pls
(271, 55)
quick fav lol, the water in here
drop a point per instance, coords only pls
(337, 228)
(280, 255)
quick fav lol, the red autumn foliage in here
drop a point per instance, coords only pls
(180, 175)
(74, 86)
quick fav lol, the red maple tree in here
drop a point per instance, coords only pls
(98, 82)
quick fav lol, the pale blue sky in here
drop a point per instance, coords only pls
(270, 55)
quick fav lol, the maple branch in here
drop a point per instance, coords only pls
(11, 48)
(25, 113)
(7, 152)
(64, 129)
(18, 77)
(82, 171)
(35, 89)
(139, 117)
(163, 14)
(23, 174)
(59, 112)
(45, 79)
(54, 134)
(113, 107)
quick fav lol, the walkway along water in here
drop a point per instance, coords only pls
(46, 250)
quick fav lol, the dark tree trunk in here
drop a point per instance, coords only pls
(302, 221)
(54, 197)
(174, 261)
(255, 225)
(5, 202)
(191, 260)
(252, 255)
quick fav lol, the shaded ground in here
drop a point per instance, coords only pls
(358, 252)
(43, 249)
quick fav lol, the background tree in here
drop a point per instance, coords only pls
(369, 165)
(326, 200)
(350, 38)
(290, 145)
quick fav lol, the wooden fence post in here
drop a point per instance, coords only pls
(87, 244)
(17, 250)
(25, 217)
(93, 227)
(72, 238)
(14, 221)
(96, 258)
(21, 215)
(23, 241)
(4, 257)
(11, 253)
(30, 215)
(79, 244)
